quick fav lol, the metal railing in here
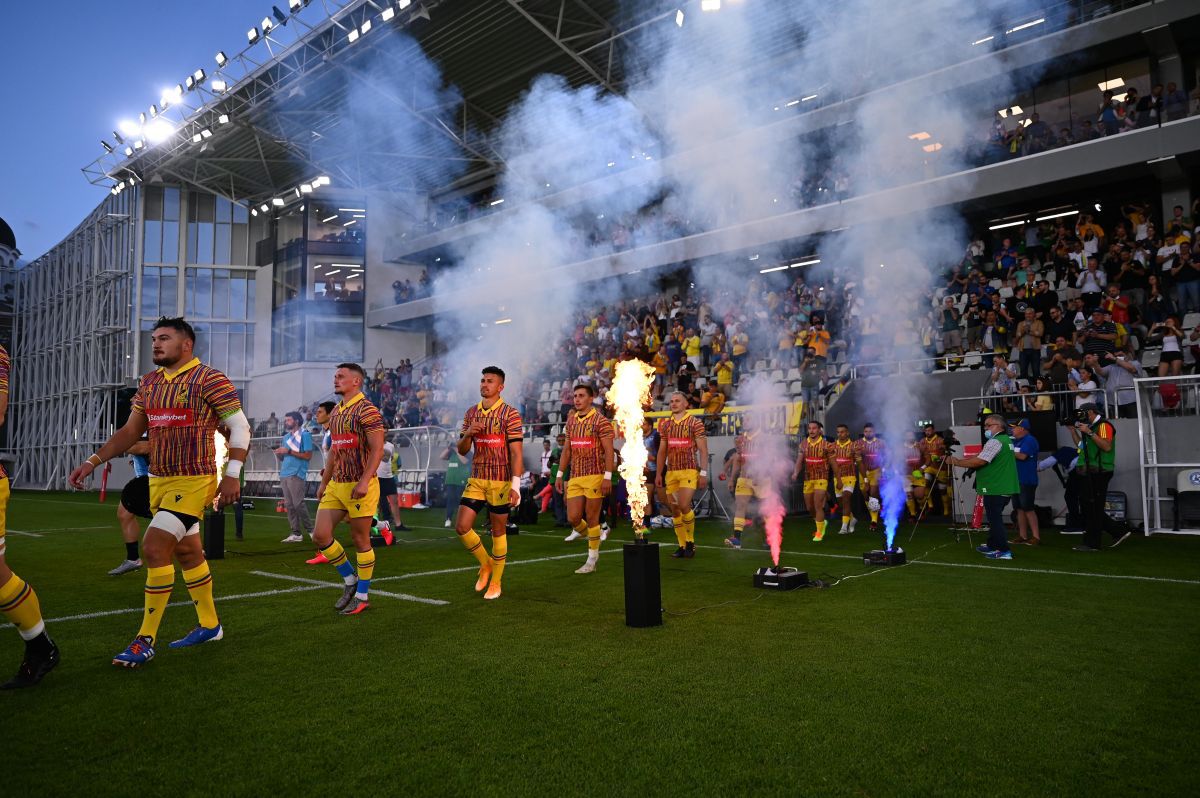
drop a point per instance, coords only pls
(1022, 402)
(1152, 409)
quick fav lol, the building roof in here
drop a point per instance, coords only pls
(7, 238)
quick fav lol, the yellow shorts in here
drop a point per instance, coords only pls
(682, 479)
(493, 491)
(4, 491)
(911, 482)
(186, 495)
(587, 487)
(337, 497)
(872, 478)
(814, 485)
(942, 480)
(748, 487)
(845, 484)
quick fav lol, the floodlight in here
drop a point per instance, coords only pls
(199, 75)
(153, 111)
(178, 92)
(196, 138)
(277, 202)
(294, 5)
(141, 119)
(223, 119)
(221, 59)
(189, 82)
(710, 5)
(679, 17)
(129, 152)
(267, 25)
(219, 86)
(352, 36)
(121, 186)
(118, 137)
(323, 180)
(127, 127)
(279, 15)
(387, 14)
(366, 26)
(305, 188)
(252, 35)
(206, 133)
(159, 131)
(254, 211)
(113, 191)
(107, 147)
(263, 207)
(403, 4)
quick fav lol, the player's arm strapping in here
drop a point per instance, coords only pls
(564, 457)
(702, 449)
(606, 443)
(516, 460)
(662, 461)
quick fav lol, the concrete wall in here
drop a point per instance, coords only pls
(932, 393)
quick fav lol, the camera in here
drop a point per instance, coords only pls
(949, 437)
(1076, 417)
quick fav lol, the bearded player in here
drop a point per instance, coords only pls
(589, 456)
(349, 486)
(934, 452)
(493, 428)
(681, 436)
(914, 477)
(872, 454)
(813, 461)
(181, 404)
(843, 459)
(18, 601)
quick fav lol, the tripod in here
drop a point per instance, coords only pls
(944, 464)
(708, 498)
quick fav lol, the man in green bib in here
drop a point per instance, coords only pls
(996, 481)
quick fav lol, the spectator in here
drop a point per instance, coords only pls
(1042, 401)
(724, 374)
(1169, 335)
(951, 334)
(1084, 387)
(812, 373)
(1025, 451)
(1091, 283)
(294, 453)
(993, 338)
(1116, 374)
(1030, 332)
(1058, 326)
(974, 313)
(1185, 273)
(1174, 103)
(740, 343)
(691, 347)
(1003, 380)
(457, 470)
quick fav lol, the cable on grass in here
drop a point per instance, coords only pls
(713, 606)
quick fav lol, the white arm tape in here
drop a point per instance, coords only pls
(233, 468)
(239, 430)
(516, 484)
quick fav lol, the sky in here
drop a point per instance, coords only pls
(64, 90)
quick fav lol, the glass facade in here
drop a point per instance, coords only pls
(200, 270)
(318, 287)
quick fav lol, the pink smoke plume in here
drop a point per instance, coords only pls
(772, 511)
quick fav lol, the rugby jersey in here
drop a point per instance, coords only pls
(814, 453)
(501, 426)
(873, 453)
(4, 366)
(350, 425)
(843, 456)
(182, 410)
(933, 450)
(913, 456)
(584, 435)
(681, 437)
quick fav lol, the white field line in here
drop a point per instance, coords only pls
(319, 583)
(26, 534)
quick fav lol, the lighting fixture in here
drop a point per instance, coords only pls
(279, 15)
(1058, 215)
(710, 5)
(293, 5)
(387, 14)
(107, 147)
(352, 36)
(983, 40)
(199, 76)
(1006, 224)
(503, 321)
(218, 85)
(790, 103)
(1025, 25)
(352, 221)
(153, 111)
(267, 25)
(1108, 85)
(351, 210)
(252, 35)
(934, 147)
(809, 262)
(919, 136)
(189, 82)
(129, 152)
(277, 202)
(403, 4)
(221, 59)
(254, 211)
(773, 269)
(809, 97)
(196, 138)
(223, 119)
(141, 120)
(494, 203)
(679, 17)
(330, 219)
(366, 26)
(263, 207)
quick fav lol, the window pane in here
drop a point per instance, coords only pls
(237, 353)
(168, 288)
(239, 254)
(154, 202)
(191, 242)
(223, 244)
(203, 302)
(237, 297)
(224, 210)
(152, 246)
(250, 297)
(150, 291)
(171, 204)
(170, 236)
(189, 300)
(220, 293)
(240, 214)
(204, 243)
(205, 210)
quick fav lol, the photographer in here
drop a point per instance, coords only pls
(996, 481)
(1095, 439)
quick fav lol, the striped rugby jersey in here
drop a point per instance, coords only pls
(584, 436)
(502, 426)
(872, 453)
(4, 366)
(933, 449)
(815, 453)
(843, 455)
(350, 424)
(681, 437)
(182, 411)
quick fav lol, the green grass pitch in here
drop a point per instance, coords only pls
(1056, 673)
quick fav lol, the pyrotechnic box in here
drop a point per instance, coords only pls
(780, 578)
(884, 557)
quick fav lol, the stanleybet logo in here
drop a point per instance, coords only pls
(1194, 478)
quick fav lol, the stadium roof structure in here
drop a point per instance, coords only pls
(252, 129)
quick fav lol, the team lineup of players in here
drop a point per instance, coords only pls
(181, 406)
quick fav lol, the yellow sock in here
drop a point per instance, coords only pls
(593, 535)
(680, 534)
(874, 516)
(159, 583)
(19, 603)
(334, 553)
(499, 552)
(739, 524)
(581, 527)
(845, 520)
(911, 504)
(947, 497)
(199, 585)
(820, 530)
(689, 526)
(471, 540)
(366, 569)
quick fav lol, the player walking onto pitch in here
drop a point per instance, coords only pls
(933, 452)
(872, 452)
(135, 504)
(681, 436)
(493, 428)
(813, 460)
(914, 477)
(745, 487)
(843, 459)
(18, 601)
(180, 404)
(589, 455)
(349, 486)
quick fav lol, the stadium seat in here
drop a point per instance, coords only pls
(793, 374)
(1005, 292)
(1186, 493)
(1191, 320)
(972, 359)
(1150, 357)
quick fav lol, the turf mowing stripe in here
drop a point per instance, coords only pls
(132, 610)
(318, 582)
